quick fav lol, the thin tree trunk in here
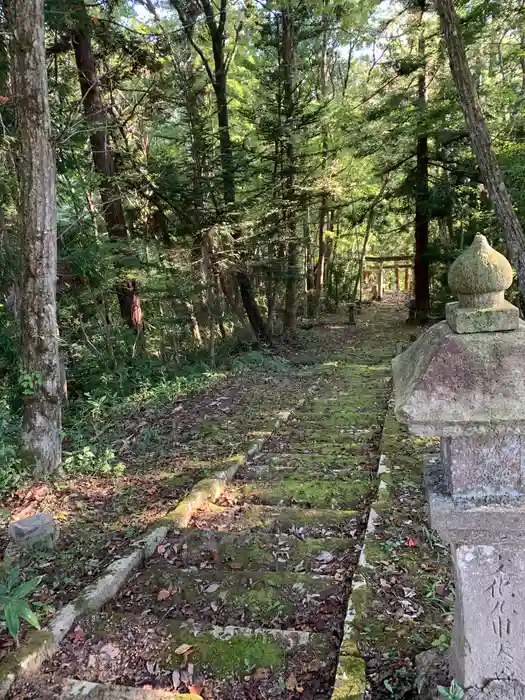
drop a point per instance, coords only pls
(104, 162)
(358, 284)
(323, 210)
(421, 224)
(480, 139)
(292, 263)
(40, 437)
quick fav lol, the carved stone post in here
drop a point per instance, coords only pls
(464, 380)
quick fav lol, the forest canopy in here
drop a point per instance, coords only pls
(223, 169)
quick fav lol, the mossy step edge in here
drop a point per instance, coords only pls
(350, 677)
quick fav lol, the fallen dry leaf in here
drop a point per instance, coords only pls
(291, 683)
(78, 635)
(195, 688)
(324, 557)
(260, 674)
(110, 650)
(161, 549)
(184, 649)
(233, 565)
(163, 594)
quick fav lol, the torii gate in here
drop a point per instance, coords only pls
(405, 262)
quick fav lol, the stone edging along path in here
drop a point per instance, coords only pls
(42, 644)
(350, 679)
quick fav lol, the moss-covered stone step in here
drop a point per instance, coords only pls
(303, 522)
(313, 466)
(346, 491)
(318, 419)
(104, 691)
(324, 450)
(269, 599)
(350, 437)
(216, 652)
(230, 651)
(204, 549)
(309, 461)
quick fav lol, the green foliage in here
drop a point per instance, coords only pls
(454, 692)
(88, 460)
(337, 157)
(13, 473)
(14, 605)
(30, 383)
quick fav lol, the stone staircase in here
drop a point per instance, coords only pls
(249, 600)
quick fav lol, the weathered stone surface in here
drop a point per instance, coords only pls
(449, 384)
(479, 272)
(471, 522)
(489, 621)
(497, 690)
(432, 671)
(38, 529)
(484, 466)
(99, 691)
(506, 317)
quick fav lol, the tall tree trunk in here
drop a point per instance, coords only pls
(218, 75)
(229, 190)
(292, 263)
(480, 140)
(421, 224)
(40, 358)
(323, 210)
(104, 162)
(220, 86)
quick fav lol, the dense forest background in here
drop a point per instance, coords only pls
(222, 170)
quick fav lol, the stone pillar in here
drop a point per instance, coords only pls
(398, 287)
(464, 380)
(407, 278)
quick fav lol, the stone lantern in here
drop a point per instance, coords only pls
(464, 381)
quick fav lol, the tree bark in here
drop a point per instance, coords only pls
(481, 141)
(40, 438)
(104, 163)
(421, 224)
(323, 210)
(218, 75)
(289, 214)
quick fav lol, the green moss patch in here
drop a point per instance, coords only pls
(350, 683)
(227, 658)
(320, 493)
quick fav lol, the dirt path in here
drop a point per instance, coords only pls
(248, 602)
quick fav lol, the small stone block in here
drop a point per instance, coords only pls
(505, 317)
(39, 528)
